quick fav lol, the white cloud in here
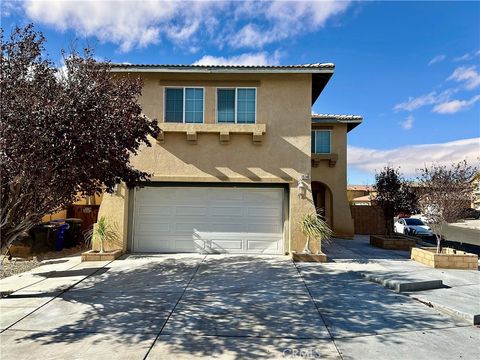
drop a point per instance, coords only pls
(468, 75)
(437, 59)
(431, 98)
(259, 58)
(251, 36)
(454, 106)
(280, 20)
(467, 56)
(127, 23)
(407, 124)
(134, 23)
(411, 158)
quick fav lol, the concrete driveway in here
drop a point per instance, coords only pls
(229, 307)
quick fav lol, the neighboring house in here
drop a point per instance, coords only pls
(364, 200)
(356, 191)
(476, 191)
(239, 161)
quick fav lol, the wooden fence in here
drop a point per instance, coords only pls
(368, 219)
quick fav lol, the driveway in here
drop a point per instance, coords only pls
(217, 306)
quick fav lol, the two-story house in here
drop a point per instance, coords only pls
(239, 161)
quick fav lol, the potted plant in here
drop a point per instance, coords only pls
(394, 195)
(314, 227)
(102, 235)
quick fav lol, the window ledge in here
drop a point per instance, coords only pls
(332, 159)
(224, 130)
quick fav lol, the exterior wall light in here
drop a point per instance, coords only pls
(302, 188)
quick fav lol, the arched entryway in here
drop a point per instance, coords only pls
(323, 200)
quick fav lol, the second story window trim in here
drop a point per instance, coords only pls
(189, 111)
(321, 141)
(239, 114)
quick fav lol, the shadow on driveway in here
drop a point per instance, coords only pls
(238, 307)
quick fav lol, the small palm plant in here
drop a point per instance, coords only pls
(102, 232)
(314, 227)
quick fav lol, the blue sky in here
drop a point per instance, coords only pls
(410, 68)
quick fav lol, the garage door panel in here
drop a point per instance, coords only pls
(260, 196)
(186, 210)
(190, 228)
(145, 227)
(264, 228)
(226, 211)
(147, 196)
(185, 245)
(222, 196)
(190, 195)
(225, 245)
(227, 227)
(218, 220)
(264, 212)
(264, 245)
(154, 210)
(151, 244)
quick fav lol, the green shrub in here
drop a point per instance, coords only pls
(103, 232)
(314, 227)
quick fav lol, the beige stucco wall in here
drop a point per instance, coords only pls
(115, 208)
(283, 104)
(335, 178)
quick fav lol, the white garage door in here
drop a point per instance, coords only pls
(208, 220)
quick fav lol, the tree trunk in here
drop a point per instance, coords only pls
(439, 244)
(389, 225)
(306, 249)
(9, 234)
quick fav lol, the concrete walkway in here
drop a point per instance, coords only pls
(216, 306)
(394, 269)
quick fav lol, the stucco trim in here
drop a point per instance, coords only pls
(332, 159)
(224, 130)
(224, 180)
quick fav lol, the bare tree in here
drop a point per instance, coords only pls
(444, 192)
(62, 133)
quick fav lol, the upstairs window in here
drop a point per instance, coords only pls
(321, 141)
(237, 105)
(184, 105)
(226, 105)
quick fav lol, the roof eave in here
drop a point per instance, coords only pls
(146, 69)
(319, 81)
(351, 123)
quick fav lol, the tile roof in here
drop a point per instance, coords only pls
(352, 121)
(179, 66)
(364, 198)
(360, 187)
(306, 68)
(337, 117)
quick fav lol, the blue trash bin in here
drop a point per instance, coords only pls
(60, 238)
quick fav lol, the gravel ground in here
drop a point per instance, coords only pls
(19, 265)
(16, 266)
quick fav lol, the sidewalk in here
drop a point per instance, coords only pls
(458, 296)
